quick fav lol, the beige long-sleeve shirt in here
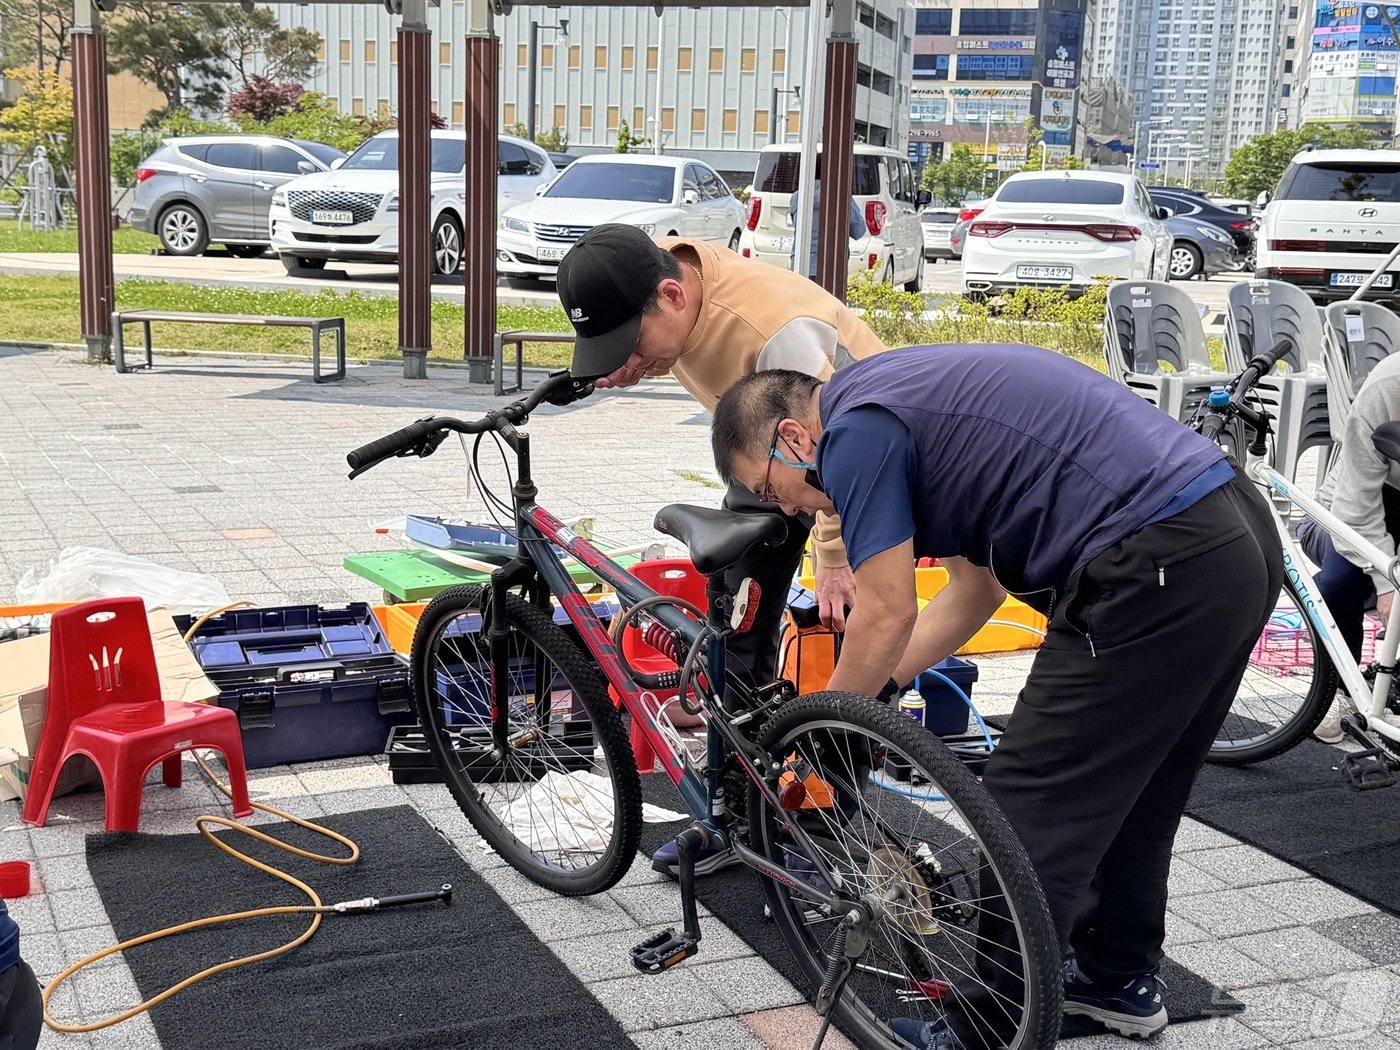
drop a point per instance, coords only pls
(753, 317)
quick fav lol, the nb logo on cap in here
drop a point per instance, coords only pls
(576, 314)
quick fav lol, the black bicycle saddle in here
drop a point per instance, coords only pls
(717, 539)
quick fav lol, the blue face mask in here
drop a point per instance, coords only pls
(810, 469)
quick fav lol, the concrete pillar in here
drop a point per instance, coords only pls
(415, 233)
(96, 286)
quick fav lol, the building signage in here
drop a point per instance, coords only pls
(1057, 110)
(1024, 44)
(1061, 46)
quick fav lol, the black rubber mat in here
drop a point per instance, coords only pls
(736, 898)
(468, 975)
(1298, 807)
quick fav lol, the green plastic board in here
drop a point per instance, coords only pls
(418, 575)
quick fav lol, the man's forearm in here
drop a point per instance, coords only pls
(875, 639)
(947, 622)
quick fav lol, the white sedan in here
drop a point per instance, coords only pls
(1065, 229)
(664, 196)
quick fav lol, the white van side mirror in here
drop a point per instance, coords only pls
(1261, 200)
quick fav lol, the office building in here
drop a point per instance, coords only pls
(1345, 64)
(726, 75)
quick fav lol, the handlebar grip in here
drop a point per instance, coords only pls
(1211, 426)
(409, 437)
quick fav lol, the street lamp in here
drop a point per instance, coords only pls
(987, 145)
(532, 73)
(1138, 125)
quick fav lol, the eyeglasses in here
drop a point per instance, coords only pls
(767, 495)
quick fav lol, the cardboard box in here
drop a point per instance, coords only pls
(24, 687)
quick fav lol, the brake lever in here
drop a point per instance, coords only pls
(426, 448)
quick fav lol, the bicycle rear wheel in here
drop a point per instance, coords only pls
(563, 804)
(1286, 691)
(905, 829)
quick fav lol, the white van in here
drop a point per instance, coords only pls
(883, 189)
(1333, 219)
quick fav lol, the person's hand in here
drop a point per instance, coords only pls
(634, 371)
(1383, 604)
(836, 590)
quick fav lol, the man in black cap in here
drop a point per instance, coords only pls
(709, 316)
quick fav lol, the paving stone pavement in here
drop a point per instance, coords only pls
(236, 468)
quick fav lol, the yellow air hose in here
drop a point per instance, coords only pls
(316, 909)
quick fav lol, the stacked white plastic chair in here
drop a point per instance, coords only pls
(1359, 335)
(1259, 315)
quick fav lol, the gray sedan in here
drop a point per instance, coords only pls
(1199, 249)
(207, 189)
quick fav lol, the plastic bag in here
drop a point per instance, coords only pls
(83, 573)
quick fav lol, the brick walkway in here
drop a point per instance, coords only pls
(236, 468)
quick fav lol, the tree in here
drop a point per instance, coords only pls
(316, 118)
(954, 179)
(1256, 166)
(288, 55)
(261, 101)
(41, 116)
(1036, 158)
(556, 139)
(627, 141)
(26, 26)
(168, 46)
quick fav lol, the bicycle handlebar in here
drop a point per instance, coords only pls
(422, 437)
(1260, 365)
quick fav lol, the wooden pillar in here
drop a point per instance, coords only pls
(415, 174)
(479, 237)
(96, 287)
(838, 150)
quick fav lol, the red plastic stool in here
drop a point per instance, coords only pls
(676, 578)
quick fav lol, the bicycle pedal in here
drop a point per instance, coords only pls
(1368, 770)
(658, 954)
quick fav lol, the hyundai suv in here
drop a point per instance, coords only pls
(352, 214)
(203, 189)
(1334, 219)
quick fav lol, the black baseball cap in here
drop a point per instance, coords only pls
(604, 281)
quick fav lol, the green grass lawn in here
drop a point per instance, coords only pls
(125, 241)
(45, 310)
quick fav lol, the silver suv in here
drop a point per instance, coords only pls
(218, 188)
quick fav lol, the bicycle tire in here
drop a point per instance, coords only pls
(581, 733)
(903, 958)
(1287, 689)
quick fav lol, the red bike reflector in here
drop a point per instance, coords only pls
(755, 210)
(931, 989)
(792, 795)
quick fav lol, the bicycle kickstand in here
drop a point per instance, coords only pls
(658, 954)
(1369, 769)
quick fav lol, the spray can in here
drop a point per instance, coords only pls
(912, 704)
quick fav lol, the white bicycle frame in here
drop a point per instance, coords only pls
(1315, 609)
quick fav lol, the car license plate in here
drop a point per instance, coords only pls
(782, 244)
(1045, 273)
(333, 218)
(552, 254)
(1356, 280)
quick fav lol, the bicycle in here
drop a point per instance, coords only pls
(883, 884)
(1298, 661)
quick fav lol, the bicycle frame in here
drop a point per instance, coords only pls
(1315, 609)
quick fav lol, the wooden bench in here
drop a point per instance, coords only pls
(316, 324)
(518, 340)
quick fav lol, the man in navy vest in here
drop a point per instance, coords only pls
(1155, 560)
(21, 1005)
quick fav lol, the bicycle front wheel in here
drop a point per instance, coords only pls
(935, 884)
(562, 803)
(1287, 688)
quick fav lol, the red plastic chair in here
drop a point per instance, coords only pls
(105, 702)
(679, 579)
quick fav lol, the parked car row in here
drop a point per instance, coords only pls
(312, 204)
